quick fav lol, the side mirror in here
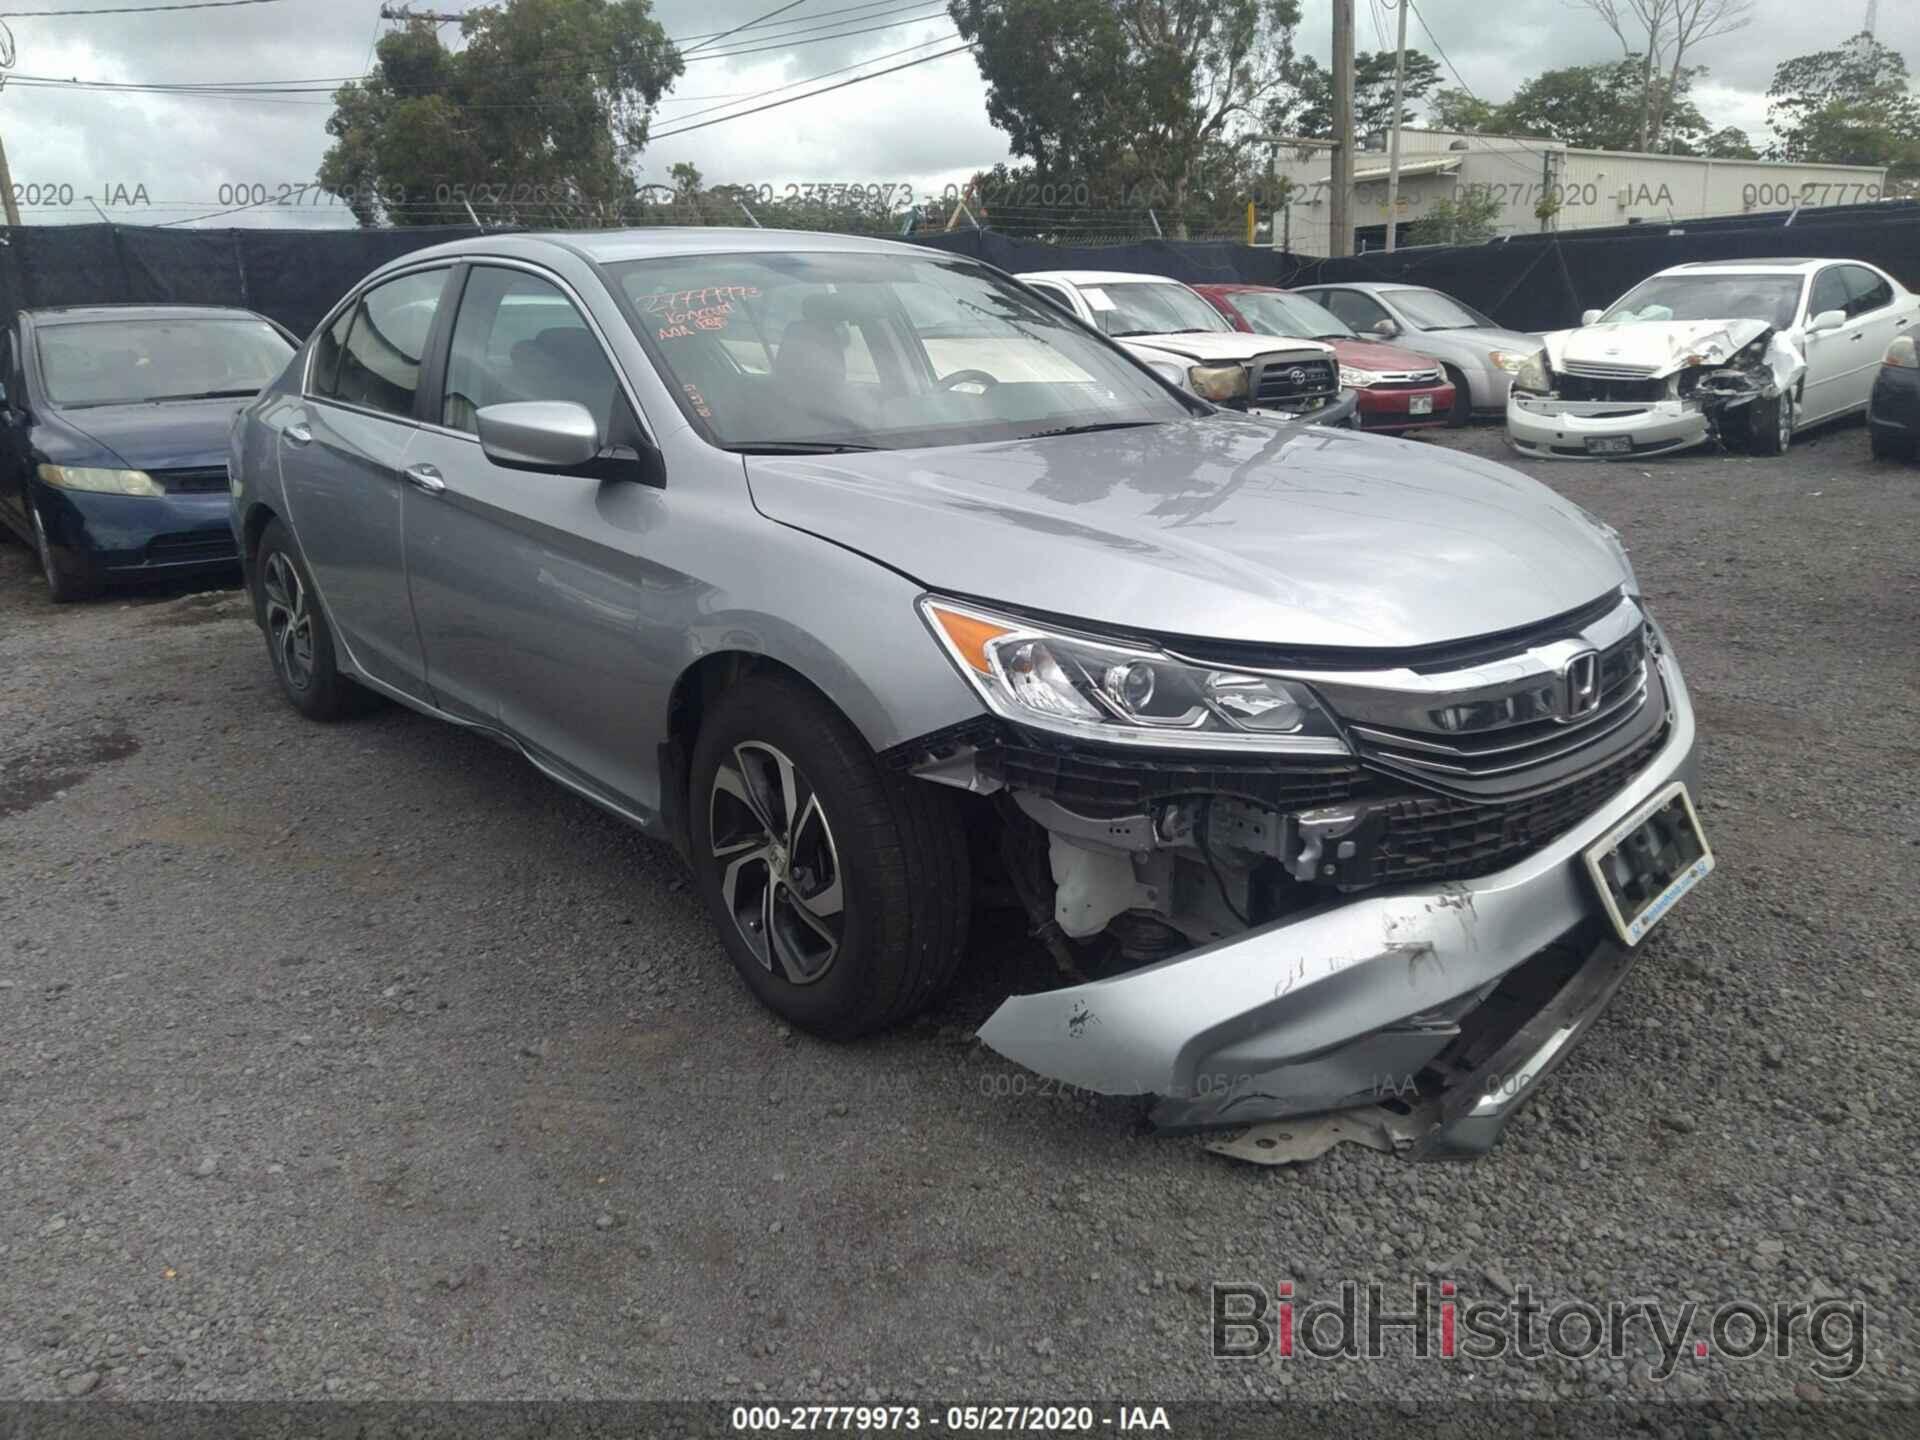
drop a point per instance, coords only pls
(1826, 320)
(1386, 329)
(550, 436)
(1591, 317)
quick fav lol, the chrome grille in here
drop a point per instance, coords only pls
(1599, 370)
(1516, 725)
(1285, 384)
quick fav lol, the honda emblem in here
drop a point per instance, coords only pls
(1580, 685)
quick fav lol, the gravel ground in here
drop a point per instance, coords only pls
(360, 1061)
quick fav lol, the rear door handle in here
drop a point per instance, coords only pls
(298, 433)
(426, 478)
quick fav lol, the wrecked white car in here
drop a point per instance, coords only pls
(1738, 353)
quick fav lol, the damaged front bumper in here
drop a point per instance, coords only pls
(1603, 430)
(1337, 1007)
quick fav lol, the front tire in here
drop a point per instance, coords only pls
(299, 640)
(1770, 422)
(1462, 410)
(841, 890)
(62, 589)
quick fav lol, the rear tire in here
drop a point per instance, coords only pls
(840, 889)
(62, 589)
(1891, 447)
(1462, 410)
(299, 641)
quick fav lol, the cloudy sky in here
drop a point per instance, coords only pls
(924, 126)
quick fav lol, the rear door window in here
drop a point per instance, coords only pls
(1866, 291)
(380, 362)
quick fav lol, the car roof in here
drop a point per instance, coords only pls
(89, 314)
(659, 242)
(1797, 265)
(1097, 277)
(1371, 287)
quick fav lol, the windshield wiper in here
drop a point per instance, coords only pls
(798, 447)
(204, 395)
(1091, 429)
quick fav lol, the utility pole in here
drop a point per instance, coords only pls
(6, 190)
(1340, 182)
(1393, 145)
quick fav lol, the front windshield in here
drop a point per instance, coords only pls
(827, 351)
(1272, 312)
(131, 362)
(1152, 307)
(1430, 310)
(1772, 299)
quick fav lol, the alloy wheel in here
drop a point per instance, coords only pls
(780, 874)
(289, 622)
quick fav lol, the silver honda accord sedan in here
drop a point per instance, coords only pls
(1335, 776)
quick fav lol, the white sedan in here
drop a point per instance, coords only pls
(1749, 352)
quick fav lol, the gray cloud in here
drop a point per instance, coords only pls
(925, 126)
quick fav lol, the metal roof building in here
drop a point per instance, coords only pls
(1584, 188)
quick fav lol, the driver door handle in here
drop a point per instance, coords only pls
(426, 478)
(298, 433)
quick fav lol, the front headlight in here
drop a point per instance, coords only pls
(1533, 374)
(1357, 379)
(1219, 383)
(105, 482)
(1125, 694)
(1510, 360)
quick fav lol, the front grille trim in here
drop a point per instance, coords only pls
(195, 480)
(1600, 370)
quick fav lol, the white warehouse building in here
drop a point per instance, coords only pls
(1591, 187)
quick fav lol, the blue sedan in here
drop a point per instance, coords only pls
(113, 436)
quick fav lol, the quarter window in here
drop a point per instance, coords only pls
(518, 337)
(380, 362)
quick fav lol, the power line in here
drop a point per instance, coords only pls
(323, 85)
(775, 105)
(721, 35)
(128, 10)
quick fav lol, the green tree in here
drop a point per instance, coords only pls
(1372, 92)
(1850, 106)
(503, 124)
(1465, 218)
(1728, 143)
(1458, 110)
(1132, 99)
(1599, 107)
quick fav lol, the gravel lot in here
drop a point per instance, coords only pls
(361, 1061)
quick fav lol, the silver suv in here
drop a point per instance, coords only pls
(1318, 762)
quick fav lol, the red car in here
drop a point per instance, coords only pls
(1398, 390)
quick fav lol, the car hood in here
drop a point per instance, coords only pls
(167, 435)
(1224, 527)
(1224, 345)
(1658, 346)
(1372, 355)
(1474, 342)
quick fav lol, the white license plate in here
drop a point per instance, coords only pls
(1645, 864)
(1419, 405)
(1609, 444)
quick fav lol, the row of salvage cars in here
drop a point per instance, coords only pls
(1745, 354)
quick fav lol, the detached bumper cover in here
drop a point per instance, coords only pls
(1340, 412)
(1561, 428)
(1317, 1012)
